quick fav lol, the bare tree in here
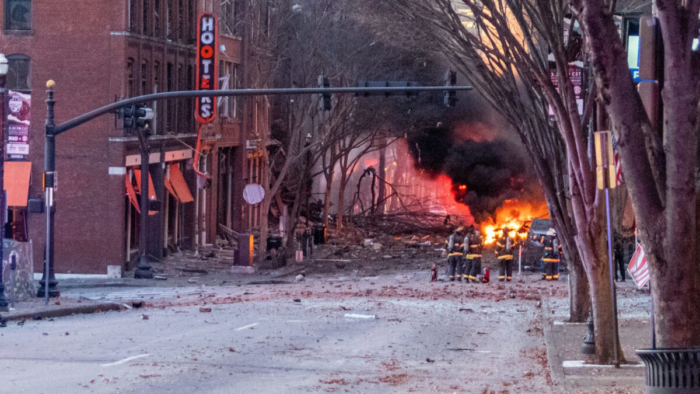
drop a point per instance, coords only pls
(659, 160)
(502, 49)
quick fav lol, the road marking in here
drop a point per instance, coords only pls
(356, 316)
(582, 364)
(248, 326)
(126, 360)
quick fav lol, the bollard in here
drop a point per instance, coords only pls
(13, 268)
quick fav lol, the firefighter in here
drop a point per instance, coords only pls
(550, 257)
(474, 243)
(504, 251)
(455, 250)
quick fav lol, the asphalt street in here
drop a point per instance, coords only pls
(384, 334)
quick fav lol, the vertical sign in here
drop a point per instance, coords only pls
(206, 66)
(18, 125)
(604, 157)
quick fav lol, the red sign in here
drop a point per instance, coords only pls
(207, 34)
(639, 268)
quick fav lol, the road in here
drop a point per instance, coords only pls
(438, 337)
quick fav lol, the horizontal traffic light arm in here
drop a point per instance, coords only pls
(65, 126)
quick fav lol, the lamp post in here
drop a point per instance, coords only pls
(48, 281)
(4, 67)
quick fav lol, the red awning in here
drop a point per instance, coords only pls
(132, 193)
(178, 182)
(17, 176)
(151, 190)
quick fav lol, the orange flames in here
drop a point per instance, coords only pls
(512, 215)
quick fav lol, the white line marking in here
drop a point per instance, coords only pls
(566, 323)
(356, 316)
(248, 326)
(126, 360)
(582, 364)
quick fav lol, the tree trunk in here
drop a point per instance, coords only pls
(341, 200)
(327, 196)
(264, 219)
(592, 244)
(579, 294)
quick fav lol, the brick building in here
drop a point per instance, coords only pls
(101, 51)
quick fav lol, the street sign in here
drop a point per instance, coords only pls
(639, 267)
(253, 194)
(605, 160)
(207, 77)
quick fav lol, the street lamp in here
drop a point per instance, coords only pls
(4, 68)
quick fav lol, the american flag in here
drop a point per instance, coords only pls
(619, 179)
(639, 268)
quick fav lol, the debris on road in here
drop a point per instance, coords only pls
(297, 300)
(430, 360)
(204, 310)
(144, 317)
(300, 278)
(356, 316)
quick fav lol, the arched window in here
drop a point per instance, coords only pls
(130, 78)
(18, 74)
(144, 78)
(18, 14)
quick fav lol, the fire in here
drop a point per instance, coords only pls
(512, 215)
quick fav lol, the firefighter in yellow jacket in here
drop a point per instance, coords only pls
(550, 257)
(504, 250)
(455, 251)
(474, 243)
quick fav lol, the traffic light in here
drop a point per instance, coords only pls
(129, 117)
(144, 117)
(450, 95)
(325, 99)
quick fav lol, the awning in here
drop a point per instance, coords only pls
(151, 189)
(182, 191)
(132, 193)
(17, 176)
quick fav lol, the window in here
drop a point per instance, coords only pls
(146, 15)
(132, 15)
(180, 20)
(170, 104)
(130, 78)
(228, 79)
(18, 14)
(18, 76)
(156, 18)
(144, 77)
(230, 10)
(192, 16)
(169, 18)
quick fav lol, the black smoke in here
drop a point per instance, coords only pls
(493, 171)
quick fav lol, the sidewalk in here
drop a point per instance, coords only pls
(564, 341)
(58, 307)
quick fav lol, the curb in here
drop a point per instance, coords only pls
(62, 312)
(555, 364)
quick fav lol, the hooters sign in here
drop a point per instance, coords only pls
(206, 66)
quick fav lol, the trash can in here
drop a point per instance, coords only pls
(320, 234)
(671, 370)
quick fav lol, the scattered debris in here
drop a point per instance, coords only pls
(157, 277)
(127, 306)
(232, 350)
(356, 316)
(460, 349)
(57, 303)
(300, 278)
(211, 322)
(528, 374)
(204, 310)
(21, 322)
(377, 246)
(137, 304)
(192, 280)
(38, 317)
(430, 360)
(467, 310)
(297, 300)
(144, 317)
(538, 304)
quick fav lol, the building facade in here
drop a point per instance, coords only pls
(99, 52)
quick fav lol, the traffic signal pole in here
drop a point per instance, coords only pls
(53, 130)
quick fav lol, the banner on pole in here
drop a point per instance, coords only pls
(20, 105)
(639, 267)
